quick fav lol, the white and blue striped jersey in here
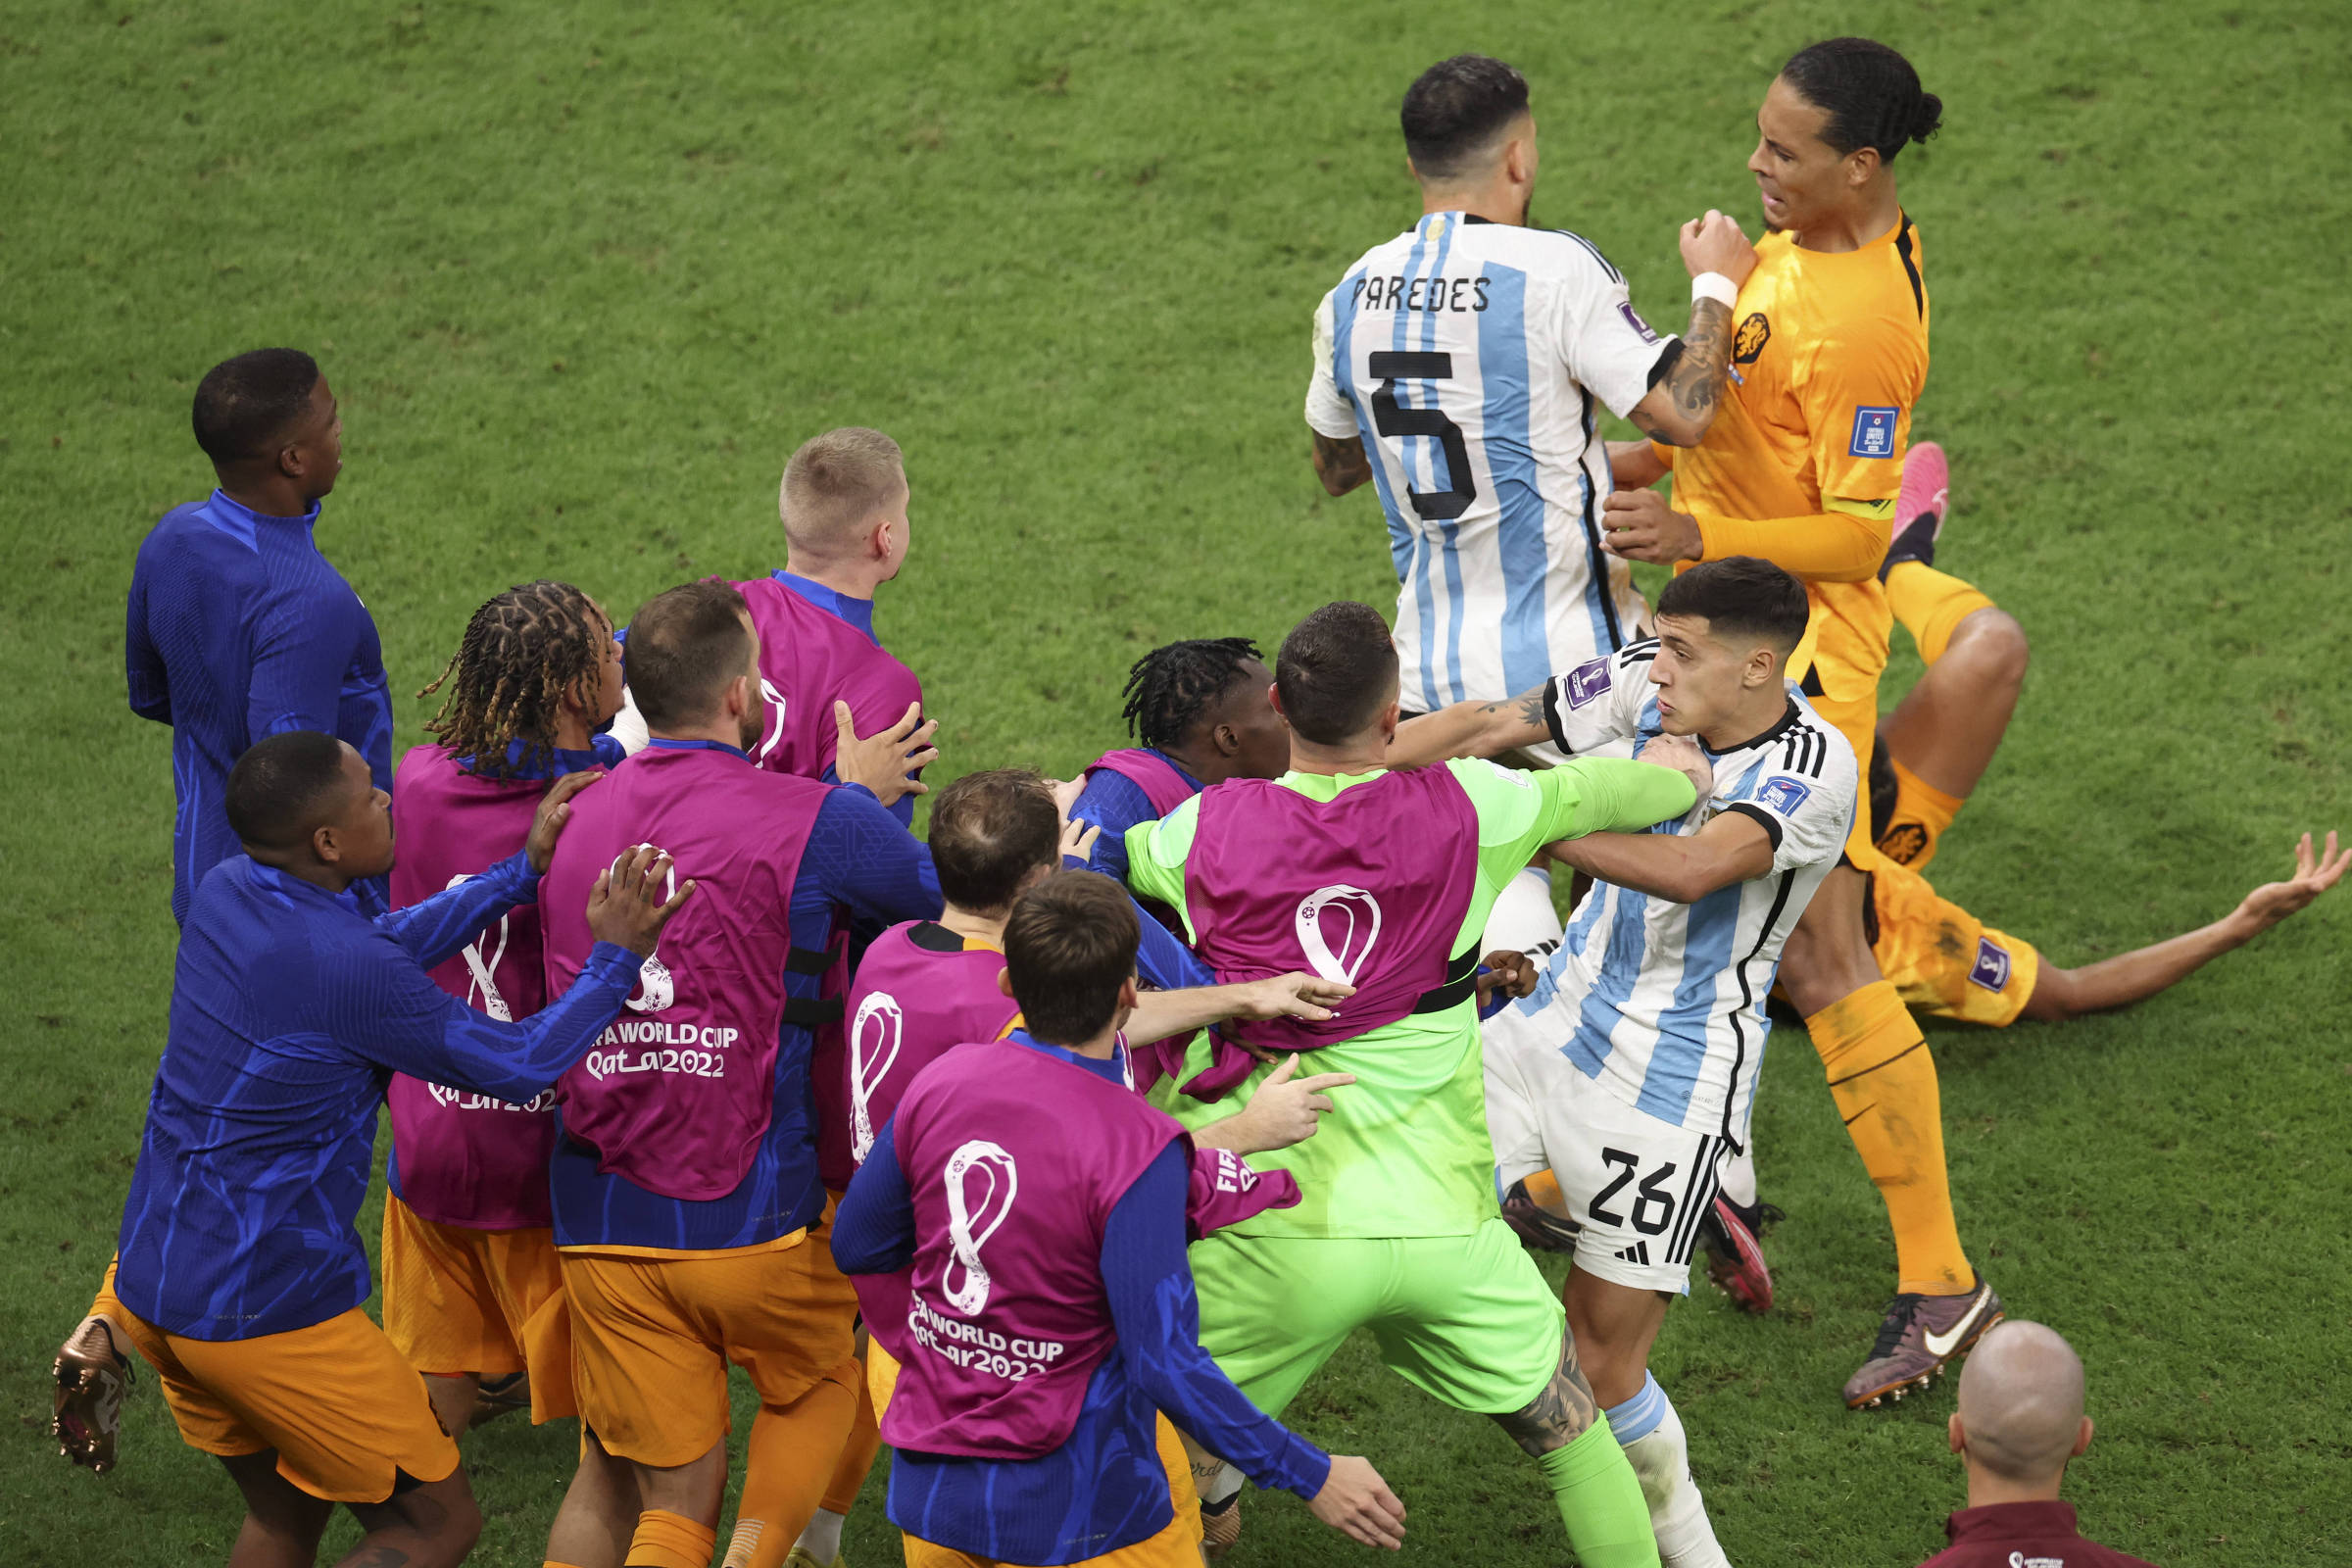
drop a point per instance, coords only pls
(1469, 358)
(1662, 1003)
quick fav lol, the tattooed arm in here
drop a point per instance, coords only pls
(1340, 463)
(1471, 729)
(1680, 404)
(1687, 387)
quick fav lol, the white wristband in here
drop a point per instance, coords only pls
(1714, 287)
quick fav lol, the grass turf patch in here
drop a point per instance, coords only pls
(582, 277)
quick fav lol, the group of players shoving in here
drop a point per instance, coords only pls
(1061, 1149)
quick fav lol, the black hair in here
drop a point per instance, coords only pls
(283, 786)
(988, 831)
(684, 647)
(244, 405)
(1740, 596)
(1870, 92)
(1069, 945)
(522, 652)
(1335, 671)
(1171, 689)
(1457, 107)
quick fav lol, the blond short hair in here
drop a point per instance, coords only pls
(834, 482)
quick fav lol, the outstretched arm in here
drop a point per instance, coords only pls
(1471, 729)
(2131, 977)
(1735, 847)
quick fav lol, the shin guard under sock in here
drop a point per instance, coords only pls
(1600, 1501)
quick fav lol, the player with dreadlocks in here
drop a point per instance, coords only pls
(1198, 714)
(474, 1295)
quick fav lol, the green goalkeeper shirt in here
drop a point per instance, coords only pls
(1404, 1151)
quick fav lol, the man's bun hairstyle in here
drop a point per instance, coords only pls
(284, 787)
(1870, 92)
(245, 406)
(1455, 110)
(1742, 597)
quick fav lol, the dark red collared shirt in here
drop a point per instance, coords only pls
(2024, 1535)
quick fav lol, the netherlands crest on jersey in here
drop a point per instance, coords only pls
(1586, 681)
(1782, 794)
(1874, 433)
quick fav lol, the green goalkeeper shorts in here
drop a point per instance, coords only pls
(1466, 1319)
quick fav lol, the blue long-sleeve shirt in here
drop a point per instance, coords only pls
(860, 860)
(239, 628)
(1104, 1487)
(1115, 803)
(289, 1010)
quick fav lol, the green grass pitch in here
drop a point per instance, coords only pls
(583, 276)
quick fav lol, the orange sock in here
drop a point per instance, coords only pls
(1884, 1082)
(856, 1454)
(1922, 813)
(665, 1540)
(1931, 604)
(786, 1464)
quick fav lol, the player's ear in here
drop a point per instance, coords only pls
(1005, 981)
(323, 846)
(1860, 165)
(1274, 700)
(1957, 1436)
(2082, 1438)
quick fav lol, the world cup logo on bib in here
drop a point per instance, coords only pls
(481, 972)
(873, 1047)
(971, 1222)
(1352, 916)
(657, 988)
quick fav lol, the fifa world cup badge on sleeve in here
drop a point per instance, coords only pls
(1874, 433)
(1586, 681)
(1633, 319)
(1783, 795)
(1992, 970)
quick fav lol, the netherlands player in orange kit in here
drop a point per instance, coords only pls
(1802, 466)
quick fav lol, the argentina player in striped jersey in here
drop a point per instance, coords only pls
(1460, 369)
(1629, 1073)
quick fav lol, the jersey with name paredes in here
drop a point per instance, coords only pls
(1472, 358)
(1663, 1002)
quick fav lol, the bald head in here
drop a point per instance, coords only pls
(2021, 1403)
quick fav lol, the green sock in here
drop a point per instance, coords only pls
(1600, 1501)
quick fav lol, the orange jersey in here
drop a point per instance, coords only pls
(1829, 355)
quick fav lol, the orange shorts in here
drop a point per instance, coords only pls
(346, 1415)
(488, 1302)
(1178, 1545)
(1944, 959)
(652, 1337)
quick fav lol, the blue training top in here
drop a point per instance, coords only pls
(1104, 1487)
(289, 1009)
(239, 628)
(859, 858)
(1115, 803)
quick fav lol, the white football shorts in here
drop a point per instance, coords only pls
(1636, 1187)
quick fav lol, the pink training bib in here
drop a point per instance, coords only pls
(677, 1093)
(460, 1157)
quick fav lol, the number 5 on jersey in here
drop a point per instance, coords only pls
(1391, 420)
